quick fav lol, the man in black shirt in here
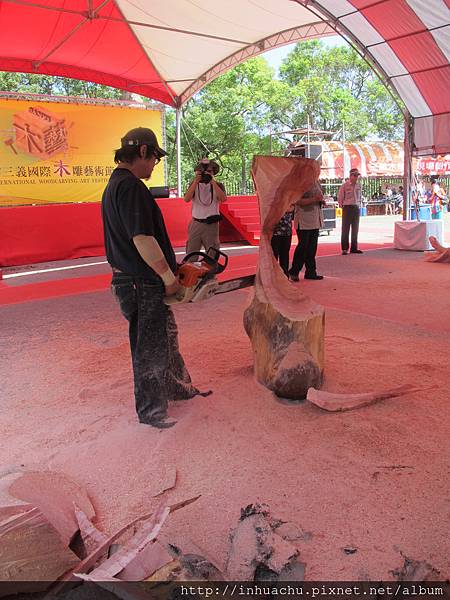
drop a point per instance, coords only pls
(143, 263)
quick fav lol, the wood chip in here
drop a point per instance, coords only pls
(342, 402)
(91, 536)
(54, 494)
(145, 563)
(90, 560)
(416, 570)
(31, 550)
(127, 555)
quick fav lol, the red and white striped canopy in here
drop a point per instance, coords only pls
(376, 159)
(408, 41)
(169, 49)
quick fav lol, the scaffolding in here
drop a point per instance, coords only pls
(310, 142)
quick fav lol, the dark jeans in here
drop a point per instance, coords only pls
(350, 218)
(305, 253)
(159, 371)
(281, 245)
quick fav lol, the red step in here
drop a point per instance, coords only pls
(248, 200)
(243, 213)
(248, 220)
(241, 204)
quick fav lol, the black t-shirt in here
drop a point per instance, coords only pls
(129, 209)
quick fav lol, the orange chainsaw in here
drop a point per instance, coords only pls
(197, 277)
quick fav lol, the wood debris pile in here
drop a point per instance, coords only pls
(48, 540)
(47, 536)
(261, 550)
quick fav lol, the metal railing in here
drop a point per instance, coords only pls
(370, 185)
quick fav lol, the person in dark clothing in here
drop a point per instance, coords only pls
(281, 240)
(308, 220)
(143, 262)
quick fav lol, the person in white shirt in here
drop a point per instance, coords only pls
(437, 197)
(206, 194)
(349, 199)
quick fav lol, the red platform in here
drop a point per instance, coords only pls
(34, 234)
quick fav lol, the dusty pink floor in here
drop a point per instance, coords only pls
(375, 479)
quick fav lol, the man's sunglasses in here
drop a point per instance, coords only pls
(157, 156)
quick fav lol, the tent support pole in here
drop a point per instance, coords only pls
(308, 139)
(408, 170)
(178, 138)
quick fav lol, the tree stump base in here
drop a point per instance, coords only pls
(283, 359)
(286, 327)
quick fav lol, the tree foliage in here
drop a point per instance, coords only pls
(228, 120)
(30, 83)
(234, 116)
(335, 87)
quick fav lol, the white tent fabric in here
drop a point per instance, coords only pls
(201, 34)
(169, 49)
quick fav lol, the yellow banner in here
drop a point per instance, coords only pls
(53, 152)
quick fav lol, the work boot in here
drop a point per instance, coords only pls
(159, 421)
(163, 423)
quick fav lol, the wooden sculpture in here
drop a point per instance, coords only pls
(286, 328)
(441, 254)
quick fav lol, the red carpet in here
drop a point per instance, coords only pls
(244, 264)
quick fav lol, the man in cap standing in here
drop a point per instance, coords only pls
(206, 194)
(349, 199)
(143, 264)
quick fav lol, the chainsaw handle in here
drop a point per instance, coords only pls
(217, 254)
(212, 261)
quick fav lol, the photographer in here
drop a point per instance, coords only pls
(206, 194)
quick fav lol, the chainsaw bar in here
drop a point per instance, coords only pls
(235, 284)
(212, 287)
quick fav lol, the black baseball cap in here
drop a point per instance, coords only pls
(140, 136)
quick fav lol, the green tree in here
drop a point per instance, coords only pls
(229, 120)
(232, 117)
(30, 83)
(334, 87)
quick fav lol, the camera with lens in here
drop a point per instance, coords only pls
(204, 176)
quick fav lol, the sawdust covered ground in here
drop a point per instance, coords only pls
(375, 479)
